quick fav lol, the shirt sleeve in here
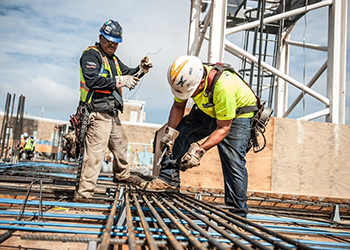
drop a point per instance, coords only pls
(179, 100)
(90, 63)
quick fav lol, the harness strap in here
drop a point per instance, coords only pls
(214, 76)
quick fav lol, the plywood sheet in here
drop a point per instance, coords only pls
(259, 164)
(311, 158)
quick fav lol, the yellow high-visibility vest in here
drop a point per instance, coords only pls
(105, 72)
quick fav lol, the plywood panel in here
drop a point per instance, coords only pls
(259, 164)
(208, 174)
(311, 158)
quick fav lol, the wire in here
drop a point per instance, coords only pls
(304, 52)
(139, 85)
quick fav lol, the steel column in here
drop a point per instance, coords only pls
(217, 31)
(336, 78)
(194, 27)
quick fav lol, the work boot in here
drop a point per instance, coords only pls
(158, 185)
(132, 179)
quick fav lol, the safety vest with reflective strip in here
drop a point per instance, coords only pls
(30, 144)
(105, 72)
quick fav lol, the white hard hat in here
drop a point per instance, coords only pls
(25, 135)
(184, 76)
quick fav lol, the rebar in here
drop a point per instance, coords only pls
(108, 230)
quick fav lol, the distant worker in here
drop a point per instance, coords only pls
(227, 129)
(103, 74)
(21, 145)
(29, 148)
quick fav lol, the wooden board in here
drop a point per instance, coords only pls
(311, 158)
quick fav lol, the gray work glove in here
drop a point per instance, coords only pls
(168, 140)
(146, 64)
(192, 157)
(126, 81)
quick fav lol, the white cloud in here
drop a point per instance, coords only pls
(42, 41)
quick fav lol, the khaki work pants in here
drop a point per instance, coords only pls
(103, 131)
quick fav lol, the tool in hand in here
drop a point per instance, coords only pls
(161, 157)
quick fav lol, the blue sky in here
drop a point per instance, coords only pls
(41, 42)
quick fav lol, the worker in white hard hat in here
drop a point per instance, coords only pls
(20, 148)
(225, 128)
(102, 76)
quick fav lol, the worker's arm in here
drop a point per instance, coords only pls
(170, 133)
(222, 130)
(176, 113)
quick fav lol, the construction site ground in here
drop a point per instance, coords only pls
(38, 212)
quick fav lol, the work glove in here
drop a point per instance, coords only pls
(126, 81)
(192, 157)
(146, 64)
(168, 140)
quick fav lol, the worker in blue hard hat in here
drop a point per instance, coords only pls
(102, 76)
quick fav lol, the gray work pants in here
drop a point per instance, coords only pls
(103, 131)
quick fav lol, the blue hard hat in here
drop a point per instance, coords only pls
(112, 31)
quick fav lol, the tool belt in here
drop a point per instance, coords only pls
(259, 122)
(79, 124)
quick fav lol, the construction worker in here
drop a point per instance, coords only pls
(103, 74)
(29, 147)
(230, 132)
(21, 145)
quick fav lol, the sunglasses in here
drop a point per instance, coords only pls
(110, 42)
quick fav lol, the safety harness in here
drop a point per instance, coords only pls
(262, 113)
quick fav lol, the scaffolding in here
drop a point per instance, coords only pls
(265, 54)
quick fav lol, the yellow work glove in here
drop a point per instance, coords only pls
(126, 81)
(168, 140)
(192, 158)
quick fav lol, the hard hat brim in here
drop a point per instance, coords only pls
(183, 96)
(112, 39)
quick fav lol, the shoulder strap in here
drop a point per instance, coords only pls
(214, 76)
(89, 94)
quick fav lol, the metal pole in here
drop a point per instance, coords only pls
(259, 79)
(243, 53)
(10, 127)
(210, 238)
(131, 235)
(194, 27)
(310, 84)
(234, 218)
(307, 45)
(171, 237)
(194, 242)
(108, 230)
(4, 124)
(149, 237)
(278, 17)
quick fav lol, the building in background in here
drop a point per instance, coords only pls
(47, 134)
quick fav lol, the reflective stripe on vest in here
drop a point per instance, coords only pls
(104, 72)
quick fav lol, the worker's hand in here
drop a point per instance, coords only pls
(168, 140)
(126, 81)
(146, 64)
(192, 158)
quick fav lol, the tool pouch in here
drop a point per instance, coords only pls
(259, 123)
(82, 116)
